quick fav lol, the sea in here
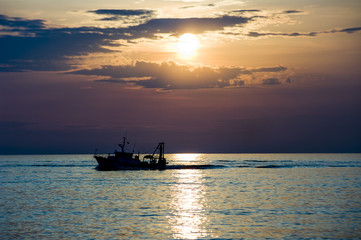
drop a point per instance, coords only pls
(199, 196)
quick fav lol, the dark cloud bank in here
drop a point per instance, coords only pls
(32, 45)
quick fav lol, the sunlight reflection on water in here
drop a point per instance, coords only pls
(187, 156)
(188, 204)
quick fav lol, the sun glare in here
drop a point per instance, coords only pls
(187, 45)
(189, 157)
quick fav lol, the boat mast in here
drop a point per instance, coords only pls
(122, 145)
(161, 151)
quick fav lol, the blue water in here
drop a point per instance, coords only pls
(200, 196)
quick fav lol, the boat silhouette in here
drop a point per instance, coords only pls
(123, 160)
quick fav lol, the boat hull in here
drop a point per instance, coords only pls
(111, 164)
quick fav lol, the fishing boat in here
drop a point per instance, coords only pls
(123, 160)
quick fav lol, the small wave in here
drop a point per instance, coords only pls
(227, 161)
(201, 166)
(46, 165)
(275, 166)
(244, 166)
(270, 166)
(343, 166)
(59, 165)
(250, 160)
(260, 161)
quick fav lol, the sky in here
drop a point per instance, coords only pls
(204, 76)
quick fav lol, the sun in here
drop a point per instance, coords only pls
(187, 45)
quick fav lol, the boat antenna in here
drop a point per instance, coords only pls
(134, 147)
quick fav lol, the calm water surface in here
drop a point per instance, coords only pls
(217, 196)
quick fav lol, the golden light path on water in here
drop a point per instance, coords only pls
(187, 156)
(188, 203)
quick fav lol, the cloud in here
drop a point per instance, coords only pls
(269, 69)
(50, 49)
(245, 10)
(127, 15)
(123, 12)
(189, 25)
(350, 30)
(171, 25)
(187, 7)
(303, 34)
(171, 76)
(292, 11)
(17, 24)
(271, 81)
(295, 34)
